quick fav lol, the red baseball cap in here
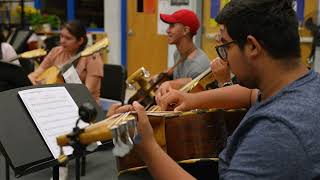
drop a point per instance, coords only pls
(183, 16)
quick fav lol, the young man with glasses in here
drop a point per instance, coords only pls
(278, 138)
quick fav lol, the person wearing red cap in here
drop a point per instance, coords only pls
(191, 61)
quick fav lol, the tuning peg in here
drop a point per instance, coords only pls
(146, 73)
(116, 149)
(120, 149)
(136, 136)
(128, 139)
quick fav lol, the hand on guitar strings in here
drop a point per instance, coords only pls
(176, 100)
(163, 89)
(118, 108)
(148, 141)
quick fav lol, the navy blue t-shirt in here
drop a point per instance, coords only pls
(278, 138)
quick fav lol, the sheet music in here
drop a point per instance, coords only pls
(54, 113)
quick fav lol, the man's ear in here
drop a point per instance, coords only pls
(186, 30)
(80, 41)
(253, 46)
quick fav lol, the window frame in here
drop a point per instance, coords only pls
(70, 13)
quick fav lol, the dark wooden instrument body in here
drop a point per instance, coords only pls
(191, 135)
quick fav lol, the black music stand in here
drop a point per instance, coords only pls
(20, 141)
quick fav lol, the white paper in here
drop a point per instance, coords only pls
(71, 76)
(54, 113)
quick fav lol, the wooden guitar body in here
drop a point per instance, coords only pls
(188, 137)
(51, 76)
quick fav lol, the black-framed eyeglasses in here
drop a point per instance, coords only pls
(222, 50)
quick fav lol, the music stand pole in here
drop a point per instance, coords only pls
(77, 168)
(83, 165)
(55, 173)
(7, 170)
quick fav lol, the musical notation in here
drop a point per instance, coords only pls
(54, 113)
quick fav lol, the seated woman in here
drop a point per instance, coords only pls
(73, 39)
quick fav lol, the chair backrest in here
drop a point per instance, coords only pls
(18, 41)
(113, 84)
(52, 42)
(12, 76)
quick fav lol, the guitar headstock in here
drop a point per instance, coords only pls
(141, 73)
(124, 133)
(121, 128)
(33, 54)
(103, 43)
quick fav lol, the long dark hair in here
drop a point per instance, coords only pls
(78, 30)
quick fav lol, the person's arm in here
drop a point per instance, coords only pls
(47, 62)
(168, 85)
(160, 165)
(94, 75)
(93, 83)
(178, 83)
(8, 53)
(265, 149)
(231, 97)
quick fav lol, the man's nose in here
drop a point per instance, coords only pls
(168, 30)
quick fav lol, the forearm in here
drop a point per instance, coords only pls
(178, 83)
(34, 75)
(231, 97)
(38, 71)
(161, 166)
(93, 83)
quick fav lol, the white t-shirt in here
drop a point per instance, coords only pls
(8, 52)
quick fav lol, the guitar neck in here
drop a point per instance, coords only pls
(195, 81)
(69, 63)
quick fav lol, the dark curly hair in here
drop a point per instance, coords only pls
(273, 23)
